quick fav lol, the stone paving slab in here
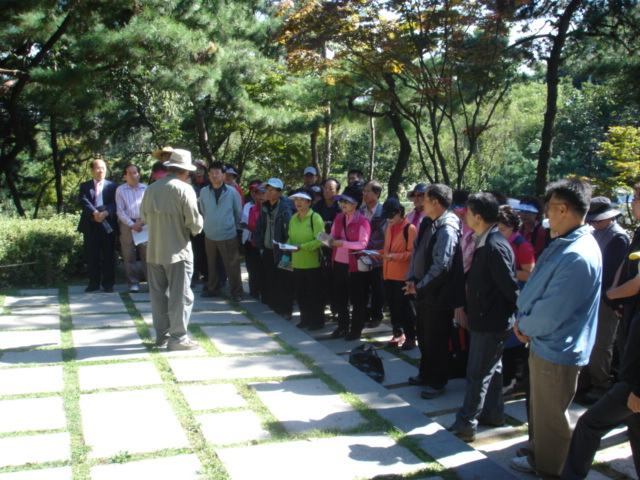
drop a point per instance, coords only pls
(29, 340)
(34, 449)
(396, 369)
(344, 458)
(23, 322)
(38, 291)
(96, 303)
(221, 368)
(135, 421)
(102, 320)
(140, 297)
(239, 339)
(60, 473)
(47, 310)
(118, 375)
(210, 304)
(31, 301)
(220, 317)
(108, 344)
(20, 381)
(31, 356)
(183, 467)
(209, 397)
(79, 289)
(26, 414)
(303, 405)
(619, 458)
(227, 428)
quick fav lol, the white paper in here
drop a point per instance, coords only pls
(284, 246)
(140, 237)
(325, 238)
(371, 253)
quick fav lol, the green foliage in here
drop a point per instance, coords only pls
(24, 241)
(622, 149)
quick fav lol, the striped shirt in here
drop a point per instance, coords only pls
(128, 201)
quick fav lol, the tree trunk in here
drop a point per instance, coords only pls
(403, 154)
(372, 145)
(57, 163)
(553, 65)
(203, 136)
(315, 157)
(14, 194)
(328, 127)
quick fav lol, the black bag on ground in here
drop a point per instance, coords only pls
(365, 358)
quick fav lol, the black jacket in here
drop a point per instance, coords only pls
(492, 288)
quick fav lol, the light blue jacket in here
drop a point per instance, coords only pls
(558, 306)
(220, 218)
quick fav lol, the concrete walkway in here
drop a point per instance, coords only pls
(84, 394)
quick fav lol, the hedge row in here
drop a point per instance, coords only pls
(53, 240)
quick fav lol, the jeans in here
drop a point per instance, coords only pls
(608, 413)
(483, 397)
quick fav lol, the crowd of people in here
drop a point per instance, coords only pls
(540, 305)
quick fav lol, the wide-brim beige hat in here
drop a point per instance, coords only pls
(181, 159)
(158, 153)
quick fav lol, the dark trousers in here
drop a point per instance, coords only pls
(349, 287)
(99, 249)
(375, 294)
(402, 318)
(255, 269)
(199, 257)
(608, 413)
(433, 331)
(327, 278)
(310, 302)
(483, 397)
(278, 283)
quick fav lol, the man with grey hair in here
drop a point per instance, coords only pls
(170, 210)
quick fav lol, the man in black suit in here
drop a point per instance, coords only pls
(98, 224)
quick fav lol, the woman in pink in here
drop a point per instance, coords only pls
(350, 233)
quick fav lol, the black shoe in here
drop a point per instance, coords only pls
(352, 336)
(315, 328)
(302, 325)
(108, 289)
(91, 289)
(491, 422)
(417, 380)
(237, 298)
(339, 332)
(430, 393)
(408, 345)
(464, 436)
(375, 323)
(287, 316)
(162, 341)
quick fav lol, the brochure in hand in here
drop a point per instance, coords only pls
(325, 238)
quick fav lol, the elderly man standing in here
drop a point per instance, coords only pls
(170, 210)
(128, 200)
(557, 316)
(98, 225)
(492, 294)
(221, 208)
(436, 276)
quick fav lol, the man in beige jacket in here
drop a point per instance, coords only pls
(170, 210)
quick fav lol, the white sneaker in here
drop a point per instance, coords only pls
(522, 465)
(134, 289)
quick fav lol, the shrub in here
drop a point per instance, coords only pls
(25, 240)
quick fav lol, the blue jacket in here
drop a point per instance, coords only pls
(221, 217)
(558, 306)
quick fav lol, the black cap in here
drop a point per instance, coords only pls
(390, 207)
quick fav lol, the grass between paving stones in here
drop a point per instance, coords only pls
(211, 464)
(607, 471)
(375, 423)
